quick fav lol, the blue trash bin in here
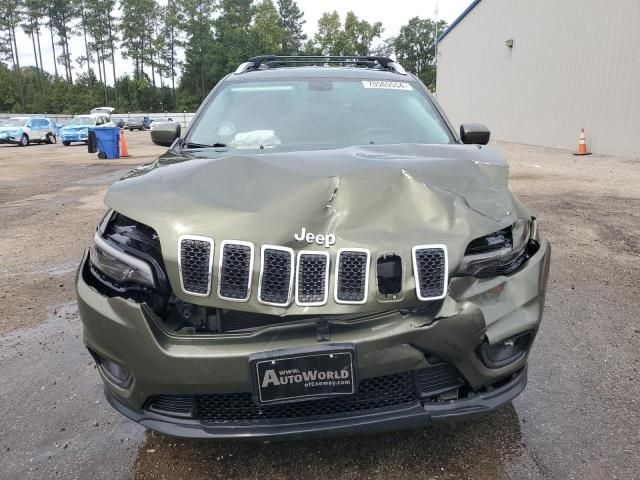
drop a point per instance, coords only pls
(108, 139)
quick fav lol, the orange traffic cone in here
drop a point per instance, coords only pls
(582, 145)
(123, 145)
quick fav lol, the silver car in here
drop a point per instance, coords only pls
(22, 131)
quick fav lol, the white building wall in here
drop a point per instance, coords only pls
(574, 63)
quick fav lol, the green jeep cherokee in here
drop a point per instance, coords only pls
(319, 253)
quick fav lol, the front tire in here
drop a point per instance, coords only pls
(66, 144)
(51, 139)
(24, 140)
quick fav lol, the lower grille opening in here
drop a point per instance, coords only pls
(374, 395)
(172, 405)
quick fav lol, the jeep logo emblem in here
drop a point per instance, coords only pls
(304, 236)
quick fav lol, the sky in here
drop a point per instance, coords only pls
(392, 15)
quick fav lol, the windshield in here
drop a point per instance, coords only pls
(15, 122)
(318, 114)
(82, 120)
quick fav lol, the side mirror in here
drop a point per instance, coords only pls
(165, 133)
(474, 134)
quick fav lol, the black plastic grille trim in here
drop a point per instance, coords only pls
(373, 394)
(276, 276)
(236, 263)
(352, 275)
(196, 259)
(438, 378)
(312, 280)
(430, 271)
(175, 405)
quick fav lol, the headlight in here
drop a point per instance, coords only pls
(499, 253)
(119, 266)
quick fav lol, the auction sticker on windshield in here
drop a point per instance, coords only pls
(303, 376)
(387, 85)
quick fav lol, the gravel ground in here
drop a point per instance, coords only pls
(577, 419)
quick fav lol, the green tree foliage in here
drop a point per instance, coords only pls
(10, 98)
(292, 21)
(197, 24)
(34, 11)
(10, 17)
(415, 48)
(179, 49)
(172, 19)
(329, 40)
(63, 15)
(355, 37)
(234, 42)
(267, 30)
(359, 35)
(135, 27)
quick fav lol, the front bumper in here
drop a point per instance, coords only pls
(475, 311)
(409, 417)
(11, 139)
(74, 136)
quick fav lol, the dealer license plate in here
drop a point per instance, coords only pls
(289, 377)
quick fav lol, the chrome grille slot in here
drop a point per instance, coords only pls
(236, 267)
(276, 275)
(352, 276)
(430, 271)
(312, 278)
(195, 263)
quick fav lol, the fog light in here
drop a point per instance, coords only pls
(118, 374)
(505, 352)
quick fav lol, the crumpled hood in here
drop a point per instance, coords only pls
(384, 198)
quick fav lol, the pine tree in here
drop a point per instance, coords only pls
(292, 20)
(11, 15)
(63, 14)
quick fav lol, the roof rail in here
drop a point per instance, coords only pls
(276, 61)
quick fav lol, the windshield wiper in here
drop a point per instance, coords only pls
(191, 145)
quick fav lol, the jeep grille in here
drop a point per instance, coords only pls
(196, 259)
(236, 265)
(352, 276)
(276, 276)
(311, 276)
(430, 271)
(312, 281)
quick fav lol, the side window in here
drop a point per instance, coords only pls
(99, 121)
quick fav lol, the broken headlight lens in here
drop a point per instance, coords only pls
(119, 266)
(499, 253)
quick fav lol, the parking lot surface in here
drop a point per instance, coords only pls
(577, 419)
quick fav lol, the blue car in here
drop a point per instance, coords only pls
(77, 130)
